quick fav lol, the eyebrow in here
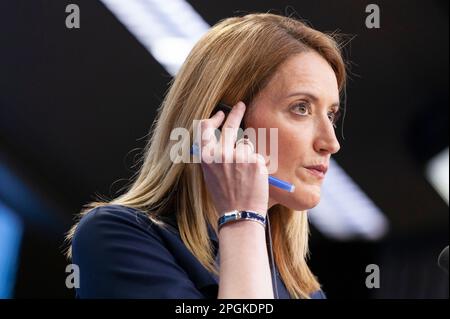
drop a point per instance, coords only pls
(312, 97)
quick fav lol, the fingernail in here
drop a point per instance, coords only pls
(240, 105)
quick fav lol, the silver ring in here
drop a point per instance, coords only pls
(245, 141)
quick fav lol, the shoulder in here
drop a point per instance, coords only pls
(109, 226)
(110, 218)
(319, 294)
(122, 253)
(113, 214)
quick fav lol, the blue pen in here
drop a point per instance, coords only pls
(281, 184)
(272, 180)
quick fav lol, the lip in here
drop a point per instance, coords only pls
(317, 170)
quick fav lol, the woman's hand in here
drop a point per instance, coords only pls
(236, 177)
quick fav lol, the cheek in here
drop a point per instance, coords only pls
(293, 154)
(294, 145)
(288, 149)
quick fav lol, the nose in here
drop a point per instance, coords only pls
(326, 141)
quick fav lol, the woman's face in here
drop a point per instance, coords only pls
(299, 100)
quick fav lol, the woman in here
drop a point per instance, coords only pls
(161, 239)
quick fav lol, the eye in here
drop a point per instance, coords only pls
(301, 109)
(334, 116)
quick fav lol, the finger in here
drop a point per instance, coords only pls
(208, 127)
(216, 119)
(245, 151)
(231, 126)
(245, 142)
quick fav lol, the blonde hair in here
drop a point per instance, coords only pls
(231, 62)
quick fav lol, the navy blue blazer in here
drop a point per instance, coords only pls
(121, 253)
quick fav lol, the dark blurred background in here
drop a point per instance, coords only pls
(76, 106)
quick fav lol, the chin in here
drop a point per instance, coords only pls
(303, 198)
